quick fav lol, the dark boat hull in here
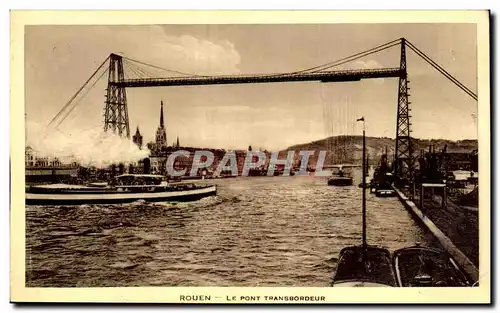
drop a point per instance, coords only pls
(113, 197)
(340, 181)
(368, 266)
(382, 193)
(427, 267)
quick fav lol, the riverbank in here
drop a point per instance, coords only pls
(455, 227)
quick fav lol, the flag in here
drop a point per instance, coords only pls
(360, 119)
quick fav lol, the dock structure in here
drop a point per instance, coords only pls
(432, 187)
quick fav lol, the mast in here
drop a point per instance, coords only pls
(364, 186)
(364, 183)
(367, 164)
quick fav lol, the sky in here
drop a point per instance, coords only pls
(59, 59)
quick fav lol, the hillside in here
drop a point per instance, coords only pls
(349, 149)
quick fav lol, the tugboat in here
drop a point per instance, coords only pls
(122, 189)
(364, 266)
(340, 178)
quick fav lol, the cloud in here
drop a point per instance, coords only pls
(368, 64)
(204, 56)
(365, 64)
(185, 53)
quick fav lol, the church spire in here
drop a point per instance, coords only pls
(137, 138)
(161, 116)
(177, 144)
(161, 135)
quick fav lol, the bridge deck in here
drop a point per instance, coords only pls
(324, 76)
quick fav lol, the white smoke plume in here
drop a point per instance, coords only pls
(92, 147)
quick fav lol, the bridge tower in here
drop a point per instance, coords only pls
(116, 112)
(403, 157)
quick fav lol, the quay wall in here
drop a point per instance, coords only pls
(462, 260)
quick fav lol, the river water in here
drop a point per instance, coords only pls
(258, 231)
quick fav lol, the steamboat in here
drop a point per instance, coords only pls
(122, 189)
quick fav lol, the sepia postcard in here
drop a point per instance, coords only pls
(250, 157)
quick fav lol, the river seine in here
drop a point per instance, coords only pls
(258, 231)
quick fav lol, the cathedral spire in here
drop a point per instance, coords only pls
(161, 135)
(161, 116)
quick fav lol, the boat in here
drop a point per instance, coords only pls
(372, 185)
(427, 267)
(98, 184)
(122, 189)
(385, 192)
(383, 179)
(340, 178)
(364, 266)
(385, 189)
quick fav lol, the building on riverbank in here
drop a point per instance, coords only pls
(41, 168)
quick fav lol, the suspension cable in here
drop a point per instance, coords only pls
(85, 94)
(161, 68)
(132, 68)
(442, 70)
(137, 70)
(351, 57)
(79, 90)
(126, 69)
(340, 62)
(147, 73)
(144, 73)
